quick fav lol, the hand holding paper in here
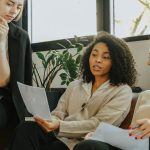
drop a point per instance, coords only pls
(142, 130)
(119, 138)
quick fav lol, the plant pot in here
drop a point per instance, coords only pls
(53, 97)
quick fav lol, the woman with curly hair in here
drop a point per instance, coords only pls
(102, 94)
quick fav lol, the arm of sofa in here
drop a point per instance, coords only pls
(126, 123)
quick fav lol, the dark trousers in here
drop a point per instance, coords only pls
(94, 145)
(8, 120)
(30, 136)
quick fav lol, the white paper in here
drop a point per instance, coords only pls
(35, 100)
(119, 138)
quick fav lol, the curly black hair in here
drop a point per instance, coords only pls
(123, 65)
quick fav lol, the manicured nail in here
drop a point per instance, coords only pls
(135, 138)
(141, 137)
(129, 127)
(130, 134)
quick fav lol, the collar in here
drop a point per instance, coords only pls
(88, 86)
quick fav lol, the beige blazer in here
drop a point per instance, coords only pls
(142, 108)
(80, 111)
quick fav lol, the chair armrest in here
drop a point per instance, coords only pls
(127, 121)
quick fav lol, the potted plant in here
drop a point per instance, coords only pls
(63, 62)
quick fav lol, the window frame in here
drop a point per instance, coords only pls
(103, 23)
(129, 38)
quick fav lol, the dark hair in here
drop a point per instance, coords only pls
(123, 65)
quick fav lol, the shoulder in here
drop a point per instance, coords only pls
(144, 95)
(125, 86)
(147, 92)
(17, 31)
(123, 89)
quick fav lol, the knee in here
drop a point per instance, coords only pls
(91, 145)
(87, 145)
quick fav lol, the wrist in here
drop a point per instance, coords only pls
(3, 47)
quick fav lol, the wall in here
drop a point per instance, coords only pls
(140, 53)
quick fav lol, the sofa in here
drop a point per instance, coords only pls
(127, 121)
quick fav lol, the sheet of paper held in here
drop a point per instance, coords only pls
(35, 100)
(119, 138)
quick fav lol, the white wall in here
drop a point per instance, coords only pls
(140, 53)
(139, 50)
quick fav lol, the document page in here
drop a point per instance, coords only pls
(35, 100)
(119, 138)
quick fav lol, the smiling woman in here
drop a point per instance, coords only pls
(15, 65)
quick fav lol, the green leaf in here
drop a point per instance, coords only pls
(78, 59)
(65, 51)
(63, 75)
(44, 64)
(71, 44)
(71, 79)
(53, 62)
(40, 56)
(63, 82)
(49, 59)
(61, 45)
(79, 47)
(66, 56)
(67, 83)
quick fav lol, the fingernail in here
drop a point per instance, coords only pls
(130, 134)
(129, 127)
(135, 138)
(141, 137)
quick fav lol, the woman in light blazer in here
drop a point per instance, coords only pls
(102, 94)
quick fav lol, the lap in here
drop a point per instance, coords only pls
(8, 115)
(94, 145)
(55, 145)
(30, 134)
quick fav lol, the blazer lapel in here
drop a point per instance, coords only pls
(13, 46)
(87, 87)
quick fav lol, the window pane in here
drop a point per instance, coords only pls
(59, 19)
(131, 17)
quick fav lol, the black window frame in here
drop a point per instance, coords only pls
(130, 38)
(103, 23)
